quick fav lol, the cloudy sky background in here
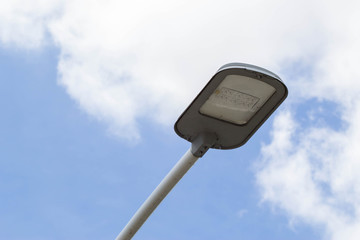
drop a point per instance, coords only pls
(91, 89)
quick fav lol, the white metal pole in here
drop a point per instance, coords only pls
(160, 192)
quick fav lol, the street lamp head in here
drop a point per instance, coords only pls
(231, 107)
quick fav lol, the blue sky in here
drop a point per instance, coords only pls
(64, 177)
(90, 93)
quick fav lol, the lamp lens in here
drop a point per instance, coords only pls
(237, 99)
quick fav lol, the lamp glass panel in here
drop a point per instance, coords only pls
(237, 99)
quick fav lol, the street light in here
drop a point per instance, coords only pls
(226, 113)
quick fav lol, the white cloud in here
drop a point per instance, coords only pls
(311, 170)
(24, 23)
(123, 61)
(312, 174)
(127, 60)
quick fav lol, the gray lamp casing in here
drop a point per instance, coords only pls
(192, 123)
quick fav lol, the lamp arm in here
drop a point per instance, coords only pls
(155, 198)
(199, 147)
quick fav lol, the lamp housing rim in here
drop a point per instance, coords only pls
(192, 123)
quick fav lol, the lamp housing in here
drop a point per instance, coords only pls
(233, 105)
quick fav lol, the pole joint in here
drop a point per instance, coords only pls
(202, 143)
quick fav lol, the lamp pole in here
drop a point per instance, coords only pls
(197, 150)
(155, 198)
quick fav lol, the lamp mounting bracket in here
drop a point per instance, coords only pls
(202, 143)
